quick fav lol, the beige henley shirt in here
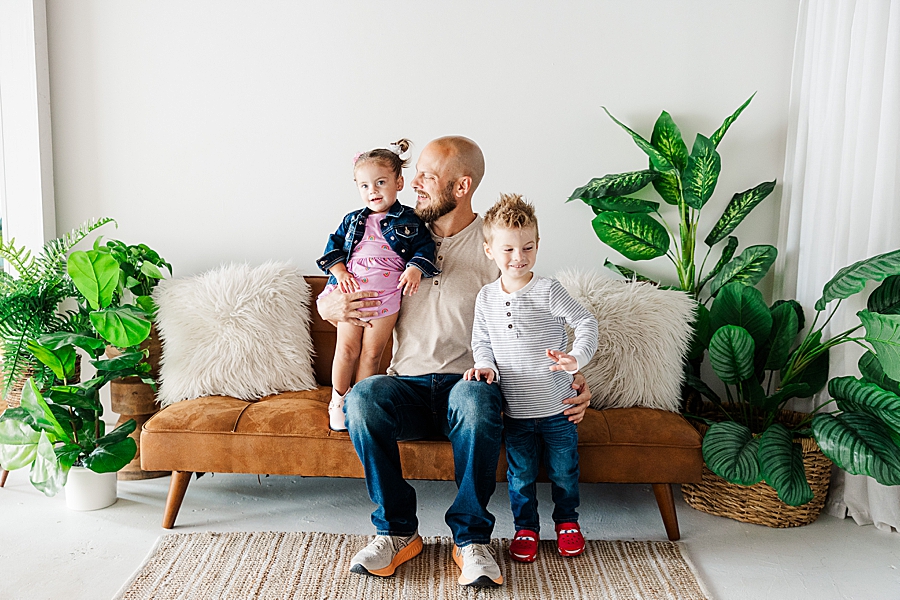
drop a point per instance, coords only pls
(434, 331)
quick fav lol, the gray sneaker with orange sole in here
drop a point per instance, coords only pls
(385, 553)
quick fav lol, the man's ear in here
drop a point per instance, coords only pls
(400, 183)
(463, 186)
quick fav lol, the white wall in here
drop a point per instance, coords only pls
(224, 130)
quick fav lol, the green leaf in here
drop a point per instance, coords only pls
(854, 394)
(730, 451)
(873, 373)
(727, 253)
(860, 444)
(615, 184)
(885, 299)
(883, 332)
(118, 434)
(18, 444)
(749, 268)
(123, 361)
(740, 206)
(783, 333)
(657, 159)
(621, 204)
(82, 395)
(720, 132)
(853, 279)
(668, 186)
(61, 361)
(96, 275)
(89, 344)
(627, 273)
(801, 319)
(667, 139)
(635, 236)
(47, 475)
(122, 326)
(741, 305)
(151, 270)
(701, 333)
(68, 454)
(731, 354)
(34, 403)
(147, 304)
(791, 390)
(695, 383)
(781, 461)
(814, 376)
(112, 457)
(702, 173)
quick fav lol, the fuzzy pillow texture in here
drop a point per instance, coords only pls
(235, 331)
(644, 335)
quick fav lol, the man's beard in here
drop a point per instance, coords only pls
(446, 202)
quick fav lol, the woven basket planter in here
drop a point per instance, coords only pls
(759, 503)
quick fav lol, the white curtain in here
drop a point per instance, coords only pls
(841, 197)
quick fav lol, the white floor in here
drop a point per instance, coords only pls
(47, 551)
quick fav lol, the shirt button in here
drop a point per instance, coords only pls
(392, 237)
(508, 314)
(435, 282)
(510, 325)
(438, 243)
(384, 223)
(403, 250)
(507, 303)
(440, 258)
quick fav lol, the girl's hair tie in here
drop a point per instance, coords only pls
(356, 156)
(396, 149)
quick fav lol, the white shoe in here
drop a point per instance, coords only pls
(479, 569)
(385, 553)
(336, 411)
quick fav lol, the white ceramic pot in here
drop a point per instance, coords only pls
(86, 490)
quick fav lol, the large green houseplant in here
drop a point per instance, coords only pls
(636, 229)
(750, 351)
(30, 298)
(63, 427)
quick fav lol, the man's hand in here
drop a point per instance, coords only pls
(478, 374)
(348, 308)
(580, 402)
(564, 362)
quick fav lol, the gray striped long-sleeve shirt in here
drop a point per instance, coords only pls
(512, 333)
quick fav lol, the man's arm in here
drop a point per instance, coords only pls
(348, 308)
(580, 402)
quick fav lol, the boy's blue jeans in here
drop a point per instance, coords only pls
(384, 409)
(555, 439)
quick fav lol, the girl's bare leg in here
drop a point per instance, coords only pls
(374, 339)
(346, 356)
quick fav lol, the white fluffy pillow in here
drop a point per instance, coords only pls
(235, 331)
(644, 335)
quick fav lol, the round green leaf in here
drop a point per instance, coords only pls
(112, 457)
(749, 268)
(121, 326)
(731, 354)
(18, 444)
(635, 236)
(96, 275)
(781, 461)
(853, 279)
(741, 305)
(860, 444)
(730, 451)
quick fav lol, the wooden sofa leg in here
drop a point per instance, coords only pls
(666, 501)
(177, 488)
(3, 477)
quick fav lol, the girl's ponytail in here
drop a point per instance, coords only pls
(391, 157)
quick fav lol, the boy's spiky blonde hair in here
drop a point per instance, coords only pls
(511, 211)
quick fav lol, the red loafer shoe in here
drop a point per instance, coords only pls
(569, 540)
(524, 546)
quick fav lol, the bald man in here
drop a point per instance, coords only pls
(424, 394)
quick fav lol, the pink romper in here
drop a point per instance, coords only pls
(376, 267)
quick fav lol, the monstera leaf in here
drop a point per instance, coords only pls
(781, 461)
(853, 279)
(730, 451)
(634, 236)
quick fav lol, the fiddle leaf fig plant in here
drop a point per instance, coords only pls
(687, 180)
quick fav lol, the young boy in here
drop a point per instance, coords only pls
(519, 339)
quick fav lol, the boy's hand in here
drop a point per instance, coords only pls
(347, 282)
(564, 362)
(477, 374)
(409, 281)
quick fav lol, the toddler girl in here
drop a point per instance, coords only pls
(383, 247)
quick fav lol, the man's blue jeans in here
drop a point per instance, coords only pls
(555, 439)
(384, 409)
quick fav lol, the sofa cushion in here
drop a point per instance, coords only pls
(644, 334)
(288, 434)
(235, 331)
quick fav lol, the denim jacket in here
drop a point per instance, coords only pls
(405, 233)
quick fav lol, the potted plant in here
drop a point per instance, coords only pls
(62, 429)
(752, 439)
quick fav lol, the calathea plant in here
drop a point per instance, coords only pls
(636, 229)
(63, 428)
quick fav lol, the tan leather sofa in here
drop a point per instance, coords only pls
(288, 434)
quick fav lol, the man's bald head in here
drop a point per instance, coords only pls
(464, 157)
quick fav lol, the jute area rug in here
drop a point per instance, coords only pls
(307, 566)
